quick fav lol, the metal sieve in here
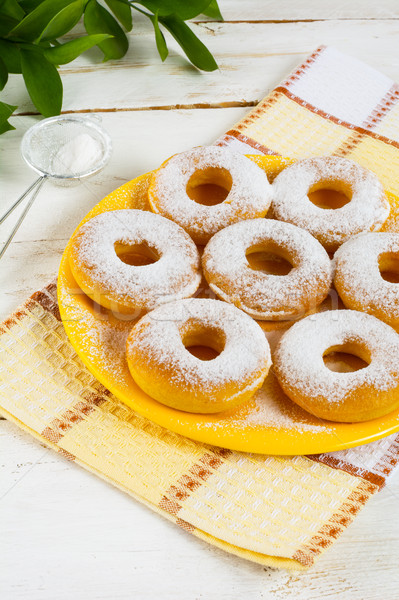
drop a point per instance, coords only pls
(49, 148)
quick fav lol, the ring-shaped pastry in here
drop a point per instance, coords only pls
(260, 294)
(99, 262)
(248, 191)
(358, 279)
(366, 210)
(361, 395)
(163, 367)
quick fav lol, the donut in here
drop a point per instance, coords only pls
(368, 393)
(244, 186)
(101, 249)
(163, 367)
(366, 210)
(262, 295)
(358, 280)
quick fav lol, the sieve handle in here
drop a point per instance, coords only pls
(36, 187)
(17, 202)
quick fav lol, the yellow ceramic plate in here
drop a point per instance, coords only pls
(269, 423)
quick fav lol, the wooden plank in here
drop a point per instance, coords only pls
(253, 58)
(141, 140)
(67, 534)
(292, 10)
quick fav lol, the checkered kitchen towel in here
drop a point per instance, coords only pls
(279, 511)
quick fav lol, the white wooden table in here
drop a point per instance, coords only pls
(110, 546)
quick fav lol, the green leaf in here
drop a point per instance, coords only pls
(9, 53)
(3, 74)
(159, 37)
(98, 20)
(6, 24)
(35, 22)
(185, 10)
(195, 50)
(5, 126)
(213, 11)
(122, 12)
(42, 82)
(11, 8)
(63, 21)
(29, 5)
(6, 111)
(65, 53)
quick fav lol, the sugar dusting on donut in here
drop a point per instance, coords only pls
(358, 276)
(179, 167)
(249, 196)
(157, 335)
(105, 344)
(299, 356)
(367, 210)
(174, 275)
(260, 294)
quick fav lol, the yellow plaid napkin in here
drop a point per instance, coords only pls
(279, 511)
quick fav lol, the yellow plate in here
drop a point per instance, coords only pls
(269, 423)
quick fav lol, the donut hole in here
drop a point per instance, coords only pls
(330, 195)
(269, 259)
(205, 344)
(388, 264)
(346, 358)
(137, 255)
(209, 186)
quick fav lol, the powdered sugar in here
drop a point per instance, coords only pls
(299, 361)
(358, 276)
(157, 342)
(108, 345)
(273, 409)
(269, 408)
(79, 155)
(249, 196)
(262, 295)
(175, 275)
(366, 211)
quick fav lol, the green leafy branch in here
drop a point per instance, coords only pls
(30, 46)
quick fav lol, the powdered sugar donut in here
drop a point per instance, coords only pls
(358, 279)
(247, 190)
(366, 210)
(262, 295)
(99, 262)
(346, 397)
(162, 366)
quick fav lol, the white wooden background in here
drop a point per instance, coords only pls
(111, 547)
